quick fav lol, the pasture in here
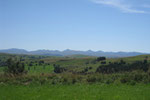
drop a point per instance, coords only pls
(75, 78)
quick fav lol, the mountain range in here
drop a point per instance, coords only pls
(69, 52)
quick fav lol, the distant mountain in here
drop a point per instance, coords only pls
(71, 52)
(14, 51)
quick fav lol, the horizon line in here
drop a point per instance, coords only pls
(74, 50)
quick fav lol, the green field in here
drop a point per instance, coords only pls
(75, 92)
(78, 79)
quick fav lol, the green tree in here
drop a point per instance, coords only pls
(14, 67)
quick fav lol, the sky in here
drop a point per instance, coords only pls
(108, 25)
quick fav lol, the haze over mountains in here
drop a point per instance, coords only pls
(69, 52)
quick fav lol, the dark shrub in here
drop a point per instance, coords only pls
(14, 67)
(124, 80)
(123, 67)
(86, 69)
(138, 77)
(41, 62)
(103, 62)
(58, 69)
(74, 81)
(87, 62)
(101, 58)
(90, 68)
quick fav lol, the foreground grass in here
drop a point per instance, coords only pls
(75, 92)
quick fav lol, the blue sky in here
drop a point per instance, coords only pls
(108, 25)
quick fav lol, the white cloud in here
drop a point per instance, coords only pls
(120, 4)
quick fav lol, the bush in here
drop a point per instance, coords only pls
(103, 62)
(74, 81)
(41, 62)
(14, 67)
(123, 67)
(101, 58)
(58, 69)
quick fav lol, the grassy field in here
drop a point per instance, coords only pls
(76, 62)
(42, 83)
(75, 92)
(40, 69)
